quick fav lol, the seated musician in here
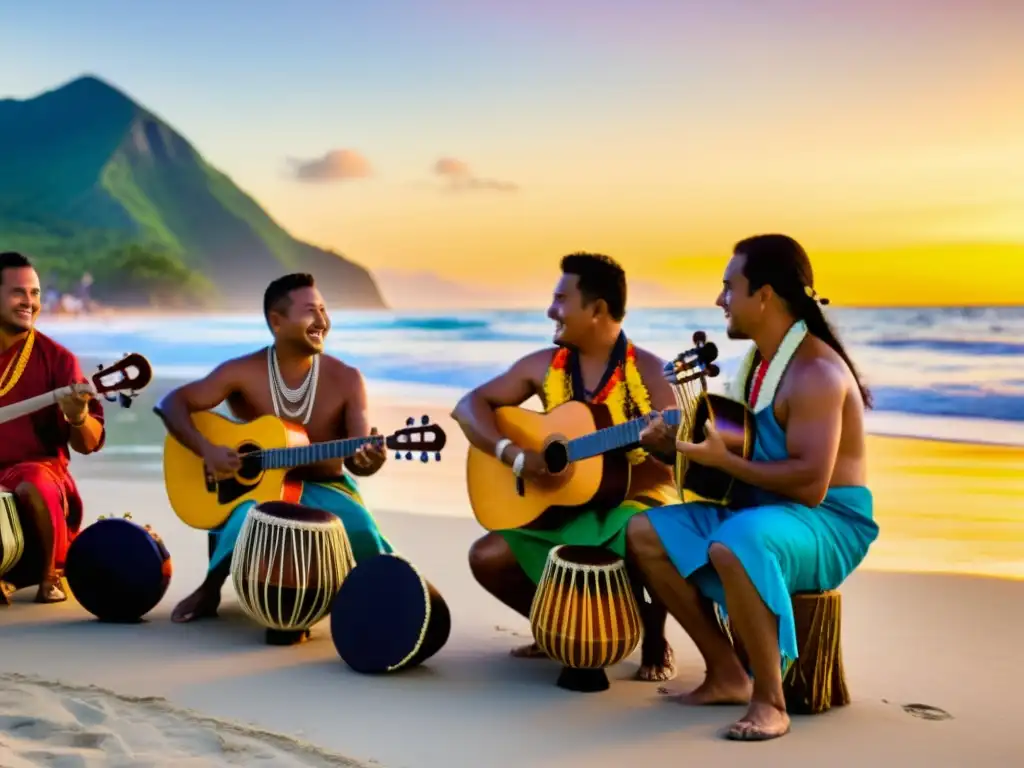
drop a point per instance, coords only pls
(592, 361)
(809, 520)
(295, 381)
(34, 449)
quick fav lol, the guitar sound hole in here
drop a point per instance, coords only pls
(252, 466)
(556, 456)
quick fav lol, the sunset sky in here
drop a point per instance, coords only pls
(470, 137)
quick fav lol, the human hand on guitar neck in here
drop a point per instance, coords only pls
(369, 458)
(659, 438)
(75, 406)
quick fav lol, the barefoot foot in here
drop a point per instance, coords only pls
(531, 651)
(201, 604)
(657, 663)
(6, 590)
(761, 723)
(716, 689)
(49, 592)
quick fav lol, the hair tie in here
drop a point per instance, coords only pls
(813, 296)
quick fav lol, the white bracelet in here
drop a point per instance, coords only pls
(500, 446)
(517, 465)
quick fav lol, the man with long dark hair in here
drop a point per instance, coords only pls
(808, 519)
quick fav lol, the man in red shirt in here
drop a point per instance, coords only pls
(35, 449)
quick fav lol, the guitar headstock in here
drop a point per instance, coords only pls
(125, 378)
(694, 363)
(425, 437)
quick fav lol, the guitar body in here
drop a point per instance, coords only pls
(601, 480)
(736, 424)
(206, 505)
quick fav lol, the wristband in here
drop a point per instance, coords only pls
(500, 446)
(79, 423)
(517, 465)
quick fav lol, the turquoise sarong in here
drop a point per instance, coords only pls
(785, 547)
(340, 497)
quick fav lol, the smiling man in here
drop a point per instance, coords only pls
(295, 381)
(592, 361)
(34, 449)
(807, 520)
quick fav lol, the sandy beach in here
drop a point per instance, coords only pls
(205, 693)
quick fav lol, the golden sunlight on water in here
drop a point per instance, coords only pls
(944, 506)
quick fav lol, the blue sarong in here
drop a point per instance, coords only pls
(340, 497)
(785, 547)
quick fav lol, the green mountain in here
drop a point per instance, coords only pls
(93, 182)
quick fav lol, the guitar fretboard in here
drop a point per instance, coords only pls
(286, 458)
(620, 436)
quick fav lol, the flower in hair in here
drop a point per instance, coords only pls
(813, 295)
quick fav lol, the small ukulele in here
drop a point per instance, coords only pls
(132, 373)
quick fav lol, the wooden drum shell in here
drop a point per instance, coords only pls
(584, 614)
(288, 565)
(12, 536)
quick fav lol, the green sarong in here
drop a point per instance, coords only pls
(590, 528)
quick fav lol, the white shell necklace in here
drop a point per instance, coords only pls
(303, 397)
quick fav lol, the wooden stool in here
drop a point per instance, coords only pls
(815, 682)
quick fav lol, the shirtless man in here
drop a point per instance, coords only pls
(35, 450)
(809, 522)
(588, 308)
(253, 386)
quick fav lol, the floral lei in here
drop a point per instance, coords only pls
(19, 366)
(624, 393)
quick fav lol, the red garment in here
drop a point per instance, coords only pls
(34, 448)
(755, 390)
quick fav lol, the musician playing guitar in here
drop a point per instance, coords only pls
(592, 361)
(294, 380)
(809, 522)
(35, 449)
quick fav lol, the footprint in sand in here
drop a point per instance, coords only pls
(926, 712)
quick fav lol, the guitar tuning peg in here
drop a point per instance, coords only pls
(424, 457)
(409, 422)
(398, 456)
(408, 455)
(424, 419)
(437, 456)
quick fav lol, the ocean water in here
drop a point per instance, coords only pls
(952, 373)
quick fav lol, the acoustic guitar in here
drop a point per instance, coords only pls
(132, 373)
(583, 449)
(269, 448)
(735, 422)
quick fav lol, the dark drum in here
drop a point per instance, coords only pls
(118, 570)
(387, 617)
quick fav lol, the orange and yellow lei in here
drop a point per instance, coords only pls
(19, 366)
(623, 385)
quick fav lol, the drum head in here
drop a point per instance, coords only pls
(300, 513)
(586, 555)
(116, 571)
(379, 614)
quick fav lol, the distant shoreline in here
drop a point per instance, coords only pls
(129, 312)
